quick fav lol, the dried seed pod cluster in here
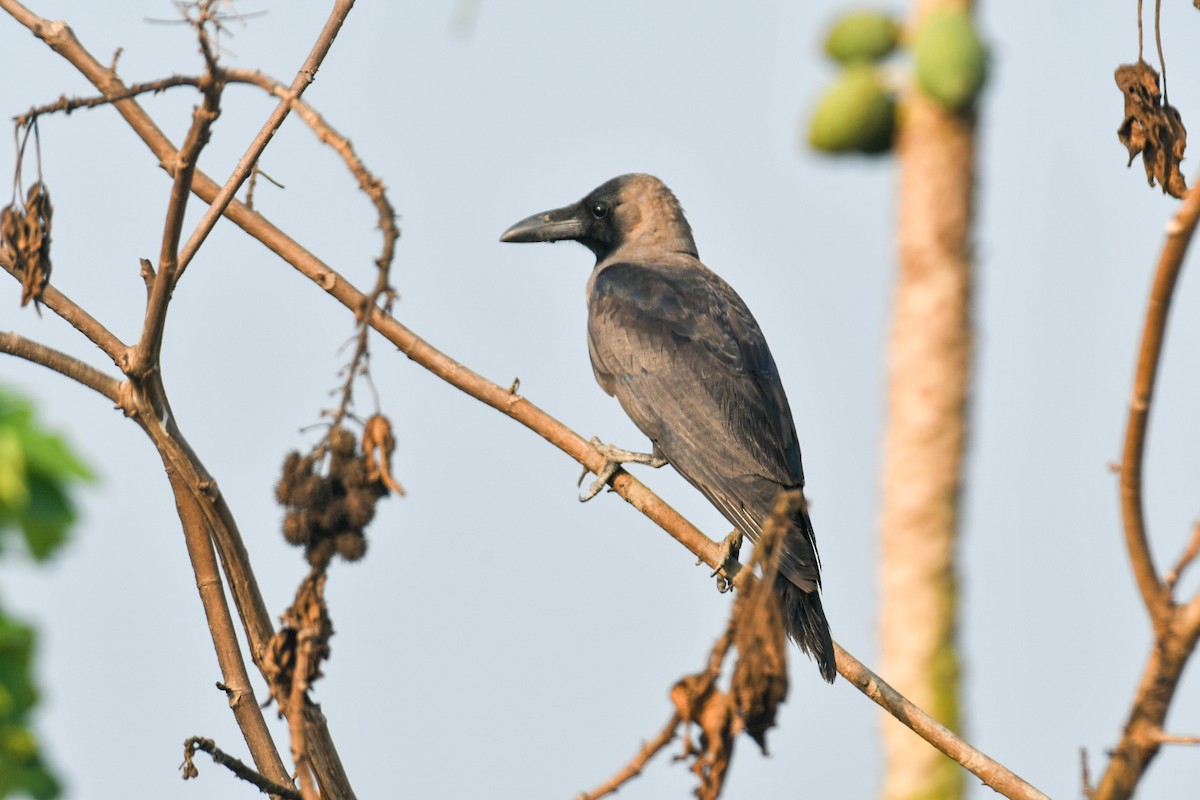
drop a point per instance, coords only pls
(328, 511)
(26, 232)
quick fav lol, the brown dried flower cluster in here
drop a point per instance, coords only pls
(328, 512)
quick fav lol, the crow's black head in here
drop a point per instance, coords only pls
(633, 209)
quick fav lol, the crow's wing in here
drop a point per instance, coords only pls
(683, 354)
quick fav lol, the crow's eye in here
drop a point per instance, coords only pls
(600, 210)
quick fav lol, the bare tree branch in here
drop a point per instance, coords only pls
(637, 763)
(1176, 628)
(75, 316)
(1155, 594)
(305, 76)
(69, 104)
(61, 363)
(992, 773)
(234, 765)
(146, 353)
(179, 457)
(233, 669)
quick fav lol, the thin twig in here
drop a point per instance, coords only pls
(68, 104)
(1162, 62)
(305, 76)
(146, 353)
(636, 764)
(1171, 738)
(1139, 9)
(374, 188)
(234, 765)
(1185, 560)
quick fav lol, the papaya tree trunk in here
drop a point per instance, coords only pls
(929, 355)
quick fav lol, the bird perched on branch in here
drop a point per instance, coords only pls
(684, 356)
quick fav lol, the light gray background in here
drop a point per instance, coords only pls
(500, 639)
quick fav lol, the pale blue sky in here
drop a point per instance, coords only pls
(500, 639)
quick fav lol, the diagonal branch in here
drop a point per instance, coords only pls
(75, 316)
(992, 773)
(146, 354)
(305, 76)
(246, 709)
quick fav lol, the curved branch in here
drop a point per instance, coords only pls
(1155, 594)
(1176, 627)
(85, 374)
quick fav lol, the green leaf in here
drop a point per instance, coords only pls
(17, 692)
(14, 492)
(47, 518)
(37, 470)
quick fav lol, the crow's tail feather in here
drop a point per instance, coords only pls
(805, 623)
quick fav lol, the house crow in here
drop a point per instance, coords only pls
(684, 356)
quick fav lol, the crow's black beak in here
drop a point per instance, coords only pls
(549, 226)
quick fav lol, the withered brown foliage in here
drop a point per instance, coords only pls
(1152, 129)
(699, 702)
(760, 683)
(327, 512)
(302, 639)
(26, 233)
(378, 445)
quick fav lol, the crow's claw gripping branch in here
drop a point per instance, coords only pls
(614, 458)
(731, 548)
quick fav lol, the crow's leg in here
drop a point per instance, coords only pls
(614, 458)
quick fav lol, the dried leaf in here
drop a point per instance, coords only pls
(378, 445)
(26, 232)
(759, 683)
(699, 702)
(1150, 128)
(305, 625)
